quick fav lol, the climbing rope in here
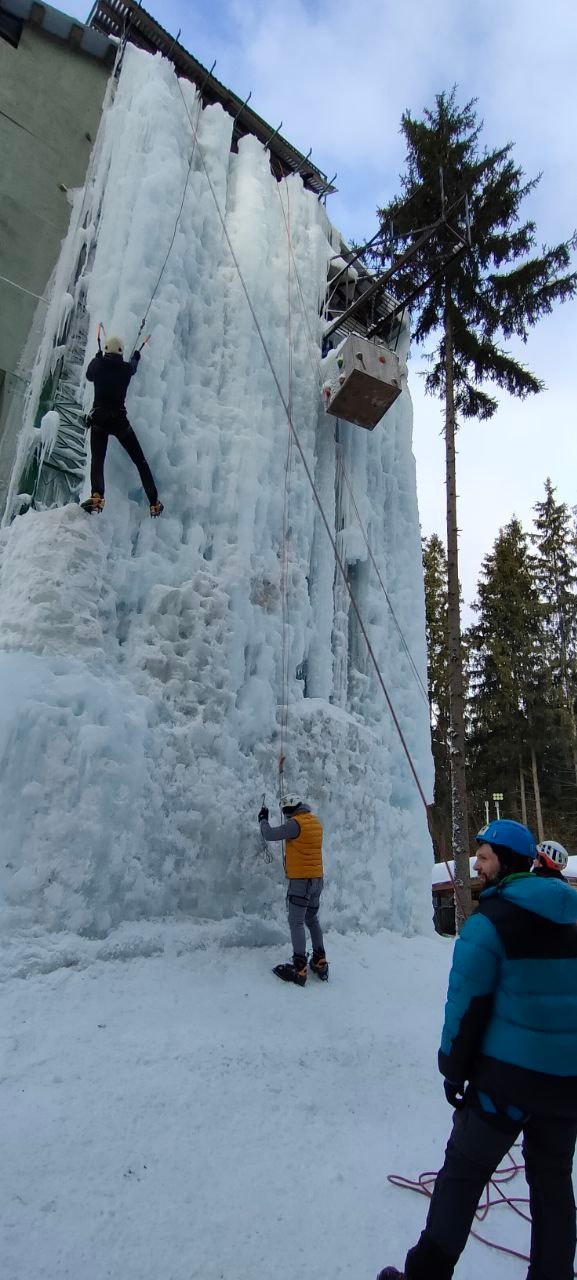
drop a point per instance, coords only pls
(169, 250)
(425, 1183)
(310, 478)
(312, 349)
(188, 172)
(376, 568)
(285, 540)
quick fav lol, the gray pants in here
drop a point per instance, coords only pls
(302, 900)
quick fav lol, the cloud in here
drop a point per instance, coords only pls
(339, 75)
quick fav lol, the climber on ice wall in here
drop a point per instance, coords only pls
(303, 864)
(111, 375)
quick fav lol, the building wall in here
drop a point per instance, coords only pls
(51, 95)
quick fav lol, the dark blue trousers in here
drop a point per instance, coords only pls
(476, 1147)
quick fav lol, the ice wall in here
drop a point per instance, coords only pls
(141, 665)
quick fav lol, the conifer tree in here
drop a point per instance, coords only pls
(437, 632)
(556, 572)
(508, 672)
(493, 293)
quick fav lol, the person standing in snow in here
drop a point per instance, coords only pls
(303, 864)
(551, 860)
(509, 1059)
(111, 375)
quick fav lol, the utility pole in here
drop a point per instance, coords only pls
(497, 797)
(486, 813)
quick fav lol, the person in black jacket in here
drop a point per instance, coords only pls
(111, 375)
(509, 1059)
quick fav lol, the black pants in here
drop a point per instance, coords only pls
(106, 423)
(475, 1149)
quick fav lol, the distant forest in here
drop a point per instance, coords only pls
(520, 661)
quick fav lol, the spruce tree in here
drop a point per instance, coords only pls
(437, 632)
(494, 292)
(555, 556)
(508, 671)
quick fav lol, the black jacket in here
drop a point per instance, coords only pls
(111, 376)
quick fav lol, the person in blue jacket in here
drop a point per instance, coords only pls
(508, 1056)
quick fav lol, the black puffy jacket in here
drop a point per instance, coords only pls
(111, 376)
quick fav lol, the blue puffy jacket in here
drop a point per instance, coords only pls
(511, 1013)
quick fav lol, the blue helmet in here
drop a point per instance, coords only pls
(507, 834)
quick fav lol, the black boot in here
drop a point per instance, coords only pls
(295, 972)
(318, 964)
(427, 1261)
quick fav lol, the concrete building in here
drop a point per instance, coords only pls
(53, 77)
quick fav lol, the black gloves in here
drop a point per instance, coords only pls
(263, 814)
(454, 1094)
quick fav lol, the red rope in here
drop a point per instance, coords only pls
(425, 1183)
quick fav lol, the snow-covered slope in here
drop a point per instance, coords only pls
(141, 671)
(172, 1112)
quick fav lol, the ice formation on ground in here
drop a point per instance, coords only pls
(141, 662)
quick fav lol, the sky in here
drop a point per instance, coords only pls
(339, 74)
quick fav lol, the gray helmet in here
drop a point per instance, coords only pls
(289, 802)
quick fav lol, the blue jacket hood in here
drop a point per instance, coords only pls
(549, 898)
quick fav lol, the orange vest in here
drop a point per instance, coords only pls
(304, 854)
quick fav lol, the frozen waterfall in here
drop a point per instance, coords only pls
(141, 661)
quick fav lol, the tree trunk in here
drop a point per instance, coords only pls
(540, 832)
(573, 729)
(460, 825)
(523, 797)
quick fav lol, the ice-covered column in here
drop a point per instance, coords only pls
(149, 663)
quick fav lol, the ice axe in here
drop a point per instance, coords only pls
(266, 850)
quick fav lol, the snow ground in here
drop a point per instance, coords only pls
(171, 1111)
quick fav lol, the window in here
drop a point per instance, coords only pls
(10, 27)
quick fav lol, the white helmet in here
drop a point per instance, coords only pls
(553, 854)
(289, 802)
(114, 346)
